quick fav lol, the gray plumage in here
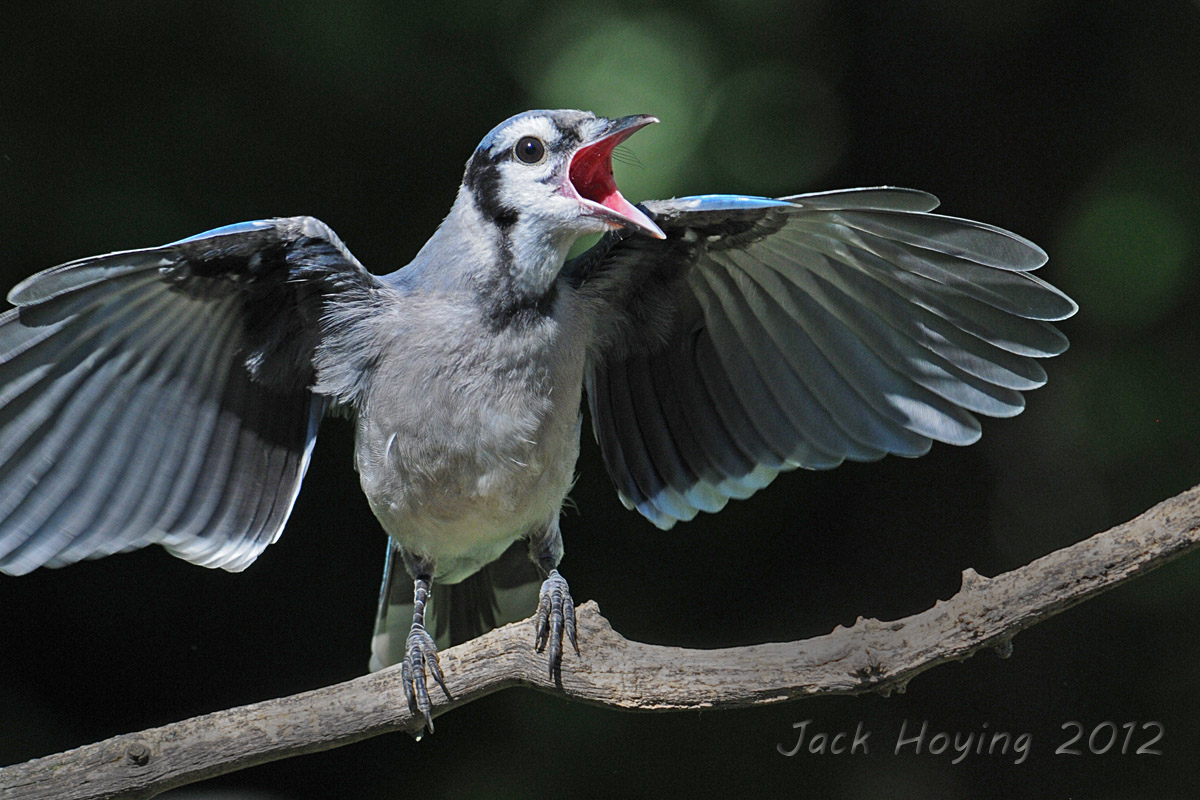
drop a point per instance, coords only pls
(171, 395)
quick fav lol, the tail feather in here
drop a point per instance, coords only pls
(499, 593)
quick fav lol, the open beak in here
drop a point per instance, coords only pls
(590, 177)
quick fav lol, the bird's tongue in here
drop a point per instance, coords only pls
(591, 174)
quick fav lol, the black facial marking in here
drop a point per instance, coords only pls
(507, 309)
(568, 138)
(482, 179)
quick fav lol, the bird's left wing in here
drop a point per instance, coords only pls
(767, 334)
(164, 395)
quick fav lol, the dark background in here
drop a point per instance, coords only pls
(1072, 122)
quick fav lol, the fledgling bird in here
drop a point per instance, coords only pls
(171, 395)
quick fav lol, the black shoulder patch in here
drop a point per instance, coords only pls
(482, 179)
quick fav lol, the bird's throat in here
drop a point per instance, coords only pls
(533, 257)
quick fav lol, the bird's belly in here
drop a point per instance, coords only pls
(462, 483)
(448, 517)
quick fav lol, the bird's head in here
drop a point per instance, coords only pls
(550, 172)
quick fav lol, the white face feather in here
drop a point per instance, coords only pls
(536, 190)
(543, 179)
(506, 137)
(539, 217)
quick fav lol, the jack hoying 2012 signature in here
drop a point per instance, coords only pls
(1130, 738)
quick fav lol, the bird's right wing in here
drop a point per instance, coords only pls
(164, 395)
(767, 334)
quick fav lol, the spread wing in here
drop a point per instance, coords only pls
(764, 335)
(163, 395)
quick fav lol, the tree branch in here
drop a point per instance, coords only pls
(870, 656)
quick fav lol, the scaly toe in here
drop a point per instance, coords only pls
(555, 615)
(421, 657)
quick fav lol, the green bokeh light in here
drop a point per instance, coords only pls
(762, 128)
(654, 64)
(1123, 255)
(778, 130)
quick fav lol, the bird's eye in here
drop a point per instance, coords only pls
(530, 150)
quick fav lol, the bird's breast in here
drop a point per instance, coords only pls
(468, 444)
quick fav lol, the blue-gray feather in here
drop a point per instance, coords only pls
(163, 395)
(800, 332)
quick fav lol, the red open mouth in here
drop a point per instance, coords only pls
(591, 176)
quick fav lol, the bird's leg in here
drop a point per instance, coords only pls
(420, 653)
(556, 609)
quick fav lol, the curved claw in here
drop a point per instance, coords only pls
(421, 655)
(555, 614)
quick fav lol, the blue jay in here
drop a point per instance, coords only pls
(171, 395)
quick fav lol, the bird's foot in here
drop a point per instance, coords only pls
(555, 614)
(421, 655)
